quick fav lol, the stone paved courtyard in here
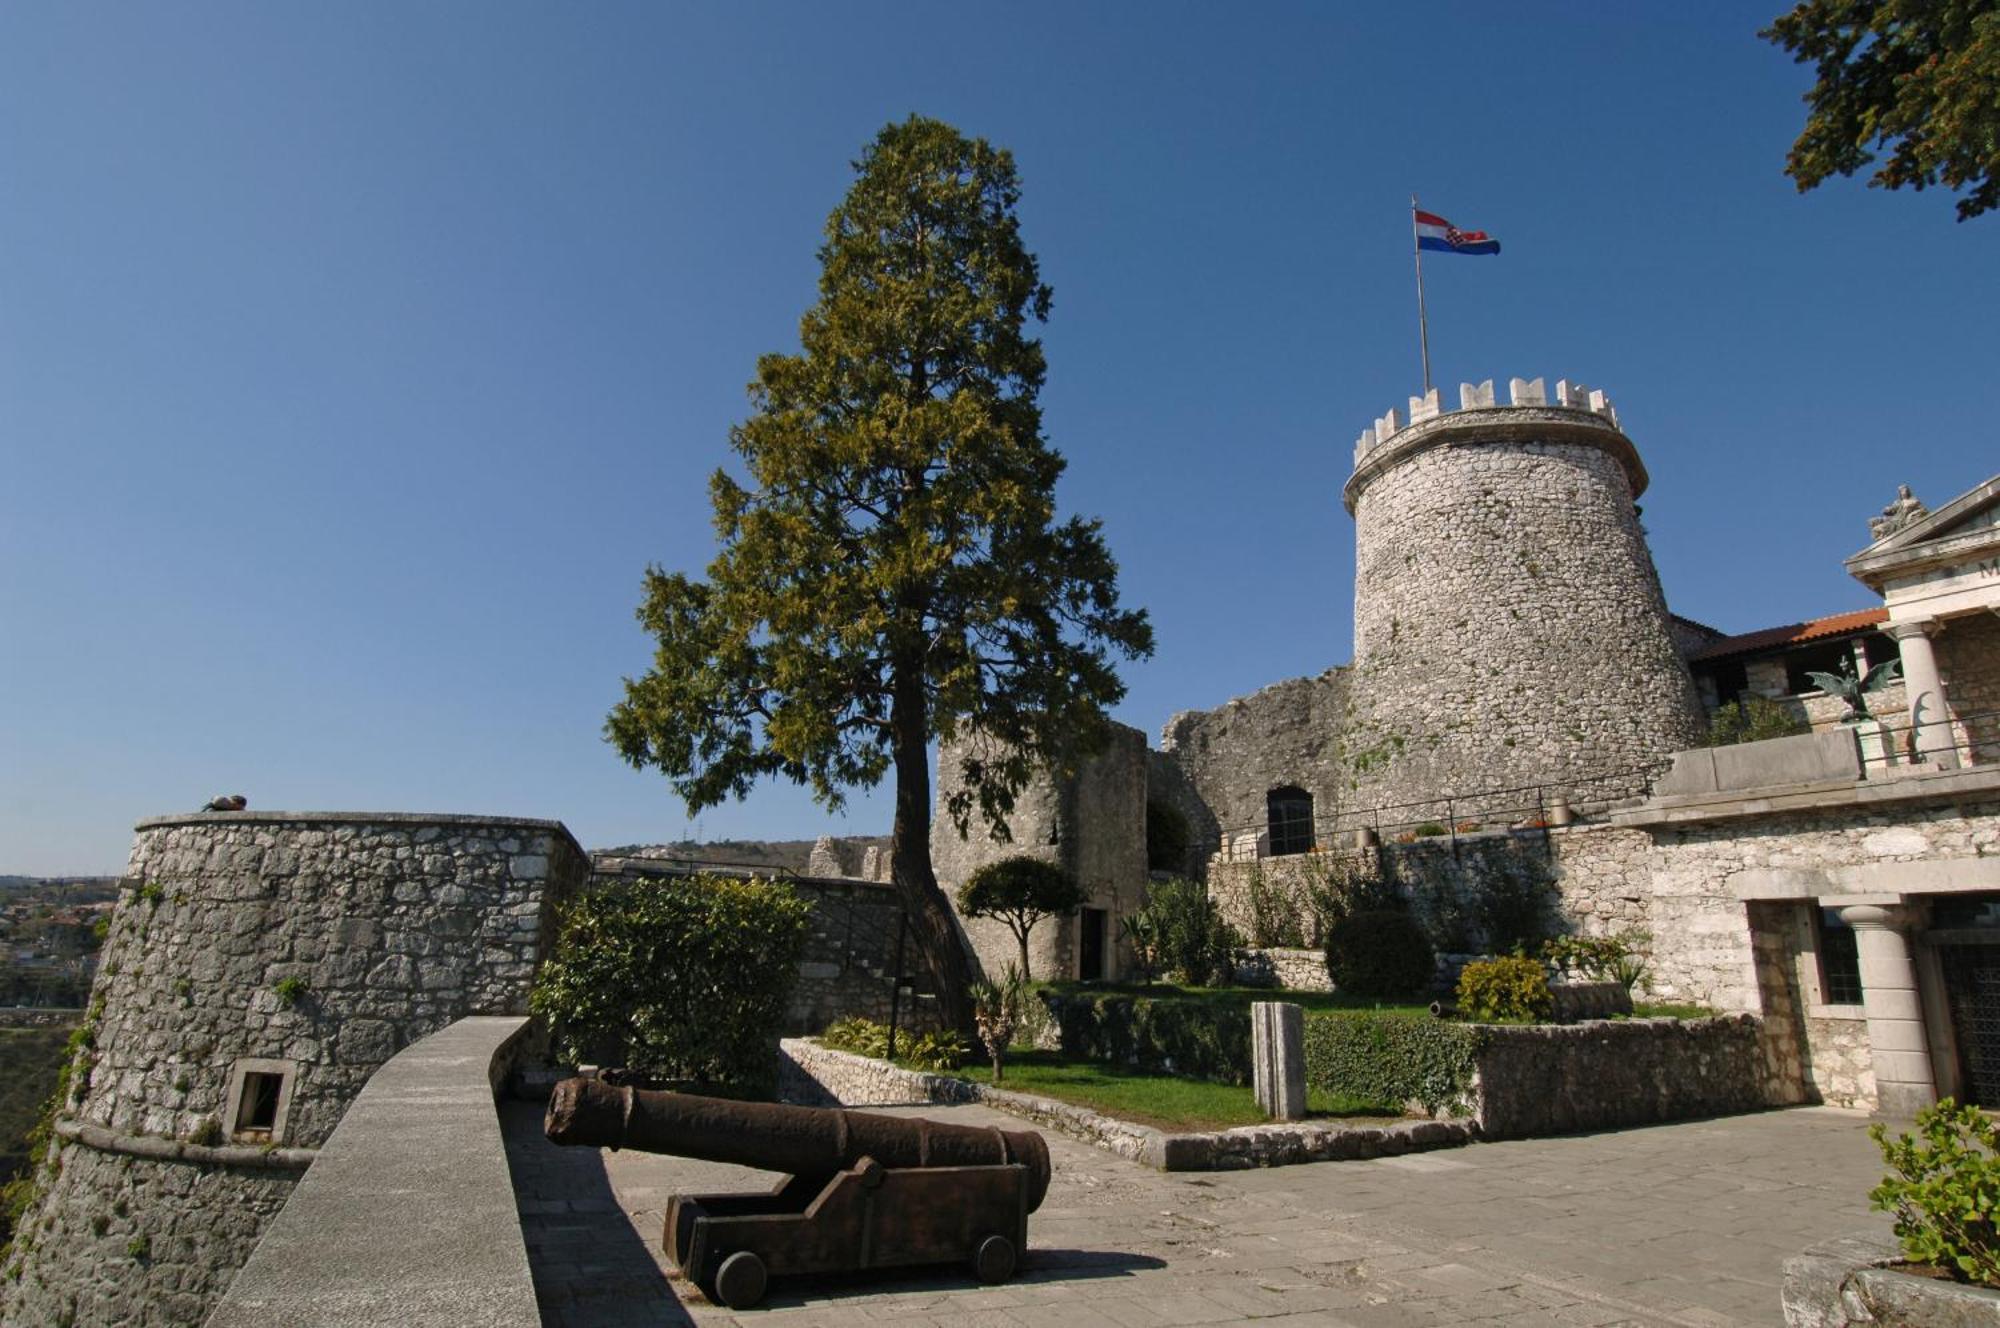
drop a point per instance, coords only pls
(1682, 1224)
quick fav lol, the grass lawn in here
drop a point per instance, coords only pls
(1234, 996)
(1161, 1101)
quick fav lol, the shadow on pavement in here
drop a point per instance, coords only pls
(591, 1269)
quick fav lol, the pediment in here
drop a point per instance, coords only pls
(1963, 528)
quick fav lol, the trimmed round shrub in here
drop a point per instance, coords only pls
(1493, 989)
(1380, 952)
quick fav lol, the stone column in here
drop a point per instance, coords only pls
(1278, 1057)
(1930, 722)
(1904, 1083)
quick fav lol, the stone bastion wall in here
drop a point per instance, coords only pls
(260, 967)
(1509, 625)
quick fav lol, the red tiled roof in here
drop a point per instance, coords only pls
(1792, 634)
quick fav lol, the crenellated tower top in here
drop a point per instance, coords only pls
(1577, 414)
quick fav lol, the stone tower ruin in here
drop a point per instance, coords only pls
(1509, 626)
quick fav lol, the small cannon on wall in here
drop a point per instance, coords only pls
(862, 1190)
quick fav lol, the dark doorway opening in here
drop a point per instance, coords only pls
(1972, 990)
(1091, 924)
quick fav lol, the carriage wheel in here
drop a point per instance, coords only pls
(993, 1261)
(739, 1281)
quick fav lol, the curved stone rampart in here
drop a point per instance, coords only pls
(259, 968)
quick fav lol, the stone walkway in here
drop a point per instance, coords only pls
(1682, 1224)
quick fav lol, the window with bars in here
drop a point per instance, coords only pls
(1290, 818)
(1839, 960)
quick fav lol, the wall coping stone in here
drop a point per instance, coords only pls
(1929, 786)
(408, 1217)
(157, 1149)
(469, 820)
(1276, 1144)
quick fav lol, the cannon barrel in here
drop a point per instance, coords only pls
(800, 1141)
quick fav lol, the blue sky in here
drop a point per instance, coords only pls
(356, 360)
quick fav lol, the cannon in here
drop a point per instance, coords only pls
(861, 1190)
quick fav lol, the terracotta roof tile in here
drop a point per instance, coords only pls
(1792, 634)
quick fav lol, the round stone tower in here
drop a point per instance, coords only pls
(1509, 628)
(259, 968)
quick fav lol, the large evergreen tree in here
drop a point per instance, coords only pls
(893, 570)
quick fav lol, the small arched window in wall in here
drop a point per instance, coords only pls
(1290, 816)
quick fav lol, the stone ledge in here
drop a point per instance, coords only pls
(466, 819)
(409, 1216)
(156, 1149)
(1845, 1282)
(845, 1079)
(1939, 786)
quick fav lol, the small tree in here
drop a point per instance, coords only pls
(1020, 891)
(685, 979)
(996, 1008)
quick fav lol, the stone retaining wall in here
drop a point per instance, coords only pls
(1560, 1078)
(1289, 969)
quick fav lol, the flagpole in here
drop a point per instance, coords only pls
(1423, 321)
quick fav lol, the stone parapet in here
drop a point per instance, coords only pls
(448, 1252)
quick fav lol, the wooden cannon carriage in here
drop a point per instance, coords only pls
(862, 1190)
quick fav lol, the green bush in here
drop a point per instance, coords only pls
(1382, 952)
(1191, 942)
(1166, 1034)
(1944, 1190)
(935, 1052)
(1490, 990)
(681, 979)
(1392, 1059)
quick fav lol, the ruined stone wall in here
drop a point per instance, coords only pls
(315, 945)
(1509, 624)
(1287, 734)
(1092, 823)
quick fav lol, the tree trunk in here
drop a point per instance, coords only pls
(910, 858)
(1022, 937)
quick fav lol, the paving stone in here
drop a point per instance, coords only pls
(1553, 1231)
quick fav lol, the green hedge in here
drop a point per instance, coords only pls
(1186, 1036)
(1392, 1059)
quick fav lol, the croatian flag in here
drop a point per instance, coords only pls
(1434, 232)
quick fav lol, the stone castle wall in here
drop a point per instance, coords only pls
(1509, 625)
(313, 945)
(1290, 733)
(1968, 652)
